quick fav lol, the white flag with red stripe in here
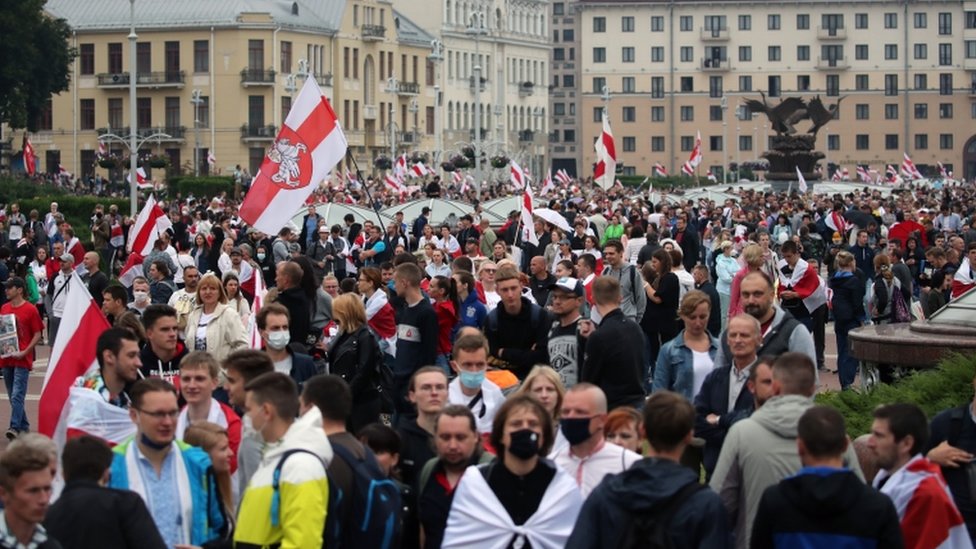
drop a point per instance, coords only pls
(394, 183)
(942, 171)
(150, 223)
(688, 169)
(141, 181)
(102, 149)
(802, 180)
(863, 175)
(908, 168)
(528, 223)
(419, 170)
(563, 177)
(711, 177)
(547, 184)
(660, 170)
(400, 167)
(694, 160)
(211, 159)
(309, 144)
(253, 334)
(606, 156)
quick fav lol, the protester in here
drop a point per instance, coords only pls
(613, 360)
(471, 388)
(273, 322)
(428, 392)
(26, 479)
(517, 328)
(566, 347)
(633, 300)
(163, 351)
(198, 379)
(17, 365)
(685, 361)
(215, 440)
(355, 356)
(240, 367)
(212, 326)
(416, 332)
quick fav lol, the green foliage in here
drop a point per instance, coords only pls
(934, 390)
(200, 187)
(34, 61)
(662, 183)
(13, 189)
(77, 210)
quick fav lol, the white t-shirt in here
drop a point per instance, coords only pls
(200, 338)
(702, 366)
(588, 472)
(492, 299)
(283, 366)
(484, 411)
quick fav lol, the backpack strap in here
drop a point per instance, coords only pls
(276, 481)
(633, 283)
(956, 416)
(425, 474)
(480, 397)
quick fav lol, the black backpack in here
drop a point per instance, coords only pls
(651, 530)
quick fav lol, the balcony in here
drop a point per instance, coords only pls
(251, 133)
(324, 80)
(526, 89)
(716, 34)
(484, 134)
(408, 88)
(715, 65)
(408, 137)
(373, 32)
(833, 64)
(831, 33)
(257, 77)
(169, 79)
(481, 88)
(174, 133)
(526, 136)
(370, 112)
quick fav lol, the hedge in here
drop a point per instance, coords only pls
(946, 386)
(662, 183)
(200, 187)
(16, 189)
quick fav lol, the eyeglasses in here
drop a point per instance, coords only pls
(161, 415)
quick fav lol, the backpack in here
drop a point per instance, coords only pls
(651, 530)
(332, 505)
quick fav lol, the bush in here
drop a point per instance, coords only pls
(664, 183)
(947, 386)
(13, 189)
(200, 187)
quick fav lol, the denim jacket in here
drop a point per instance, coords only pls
(675, 369)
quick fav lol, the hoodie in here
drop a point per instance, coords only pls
(759, 452)
(607, 513)
(303, 490)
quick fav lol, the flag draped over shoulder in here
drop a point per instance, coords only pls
(253, 334)
(309, 144)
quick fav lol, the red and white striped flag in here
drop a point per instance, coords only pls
(563, 177)
(908, 168)
(465, 187)
(150, 223)
(688, 169)
(547, 184)
(528, 223)
(802, 181)
(695, 158)
(456, 177)
(606, 156)
(862, 174)
(942, 171)
(140, 179)
(102, 149)
(711, 177)
(63, 172)
(891, 173)
(394, 183)
(309, 144)
(660, 170)
(845, 174)
(30, 159)
(253, 334)
(836, 176)
(211, 159)
(418, 170)
(400, 167)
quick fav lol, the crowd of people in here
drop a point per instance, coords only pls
(452, 384)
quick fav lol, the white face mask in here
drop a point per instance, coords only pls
(140, 296)
(279, 340)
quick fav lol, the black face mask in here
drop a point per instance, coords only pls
(155, 446)
(524, 444)
(576, 430)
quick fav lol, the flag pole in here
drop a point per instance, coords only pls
(369, 196)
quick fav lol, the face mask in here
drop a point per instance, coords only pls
(140, 296)
(524, 444)
(471, 380)
(576, 430)
(279, 340)
(261, 257)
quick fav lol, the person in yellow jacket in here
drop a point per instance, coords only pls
(286, 502)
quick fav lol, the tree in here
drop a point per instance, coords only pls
(35, 60)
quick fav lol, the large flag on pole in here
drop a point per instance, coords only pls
(547, 184)
(30, 159)
(802, 180)
(309, 144)
(694, 160)
(606, 156)
(908, 168)
(528, 224)
(140, 179)
(150, 223)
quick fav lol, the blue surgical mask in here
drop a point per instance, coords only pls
(471, 380)
(261, 257)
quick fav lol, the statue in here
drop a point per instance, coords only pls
(784, 116)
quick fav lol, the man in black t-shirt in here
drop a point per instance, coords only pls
(163, 350)
(566, 347)
(540, 280)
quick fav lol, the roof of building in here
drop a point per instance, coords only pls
(409, 32)
(98, 15)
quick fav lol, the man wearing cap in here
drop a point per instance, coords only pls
(540, 280)
(467, 230)
(17, 362)
(566, 346)
(322, 253)
(57, 288)
(472, 250)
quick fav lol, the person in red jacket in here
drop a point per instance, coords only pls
(443, 290)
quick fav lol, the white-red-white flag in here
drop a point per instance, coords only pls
(63, 172)
(891, 173)
(418, 170)
(253, 334)
(394, 183)
(102, 149)
(660, 170)
(150, 223)
(211, 159)
(836, 176)
(696, 153)
(863, 174)
(845, 174)
(528, 223)
(309, 144)
(942, 171)
(547, 184)
(802, 180)
(688, 169)
(141, 181)
(606, 156)
(563, 177)
(908, 168)
(400, 167)
(457, 177)
(30, 159)
(711, 177)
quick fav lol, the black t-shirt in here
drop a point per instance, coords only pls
(520, 496)
(962, 436)
(540, 288)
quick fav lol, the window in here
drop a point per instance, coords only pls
(861, 52)
(568, 35)
(715, 113)
(115, 57)
(559, 109)
(773, 86)
(569, 81)
(657, 54)
(745, 142)
(833, 142)
(773, 21)
(833, 85)
(599, 83)
(687, 84)
(945, 140)
(715, 86)
(860, 82)
(630, 144)
(921, 51)
(686, 23)
(627, 54)
(861, 142)
(803, 53)
(803, 21)
(745, 22)
(891, 20)
(86, 58)
(745, 53)
(687, 53)
(945, 110)
(921, 20)
(945, 23)
(657, 114)
(745, 83)
(87, 114)
(657, 87)
(971, 20)
(891, 84)
(627, 23)
(569, 136)
(715, 142)
(558, 54)
(775, 53)
(945, 84)
(144, 112)
(628, 84)
(921, 82)
(629, 114)
(891, 141)
(598, 114)
(172, 112)
(945, 55)
(657, 143)
(143, 57)
(687, 142)
(970, 49)
(862, 111)
(599, 55)
(972, 110)
(115, 112)
(921, 141)
(891, 111)
(921, 111)
(803, 82)
(860, 20)
(599, 24)
(687, 113)
(657, 23)
(891, 51)
(558, 8)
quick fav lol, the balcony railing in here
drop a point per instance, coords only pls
(167, 79)
(324, 80)
(715, 34)
(257, 77)
(370, 112)
(833, 63)
(526, 89)
(526, 136)
(373, 32)
(408, 88)
(258, 133)
(471, 84)
(484, 134)
(174, 133)
(408, 137)
(715, 64)
(831, 33)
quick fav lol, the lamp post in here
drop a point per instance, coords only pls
(413, 109)
(476, 28)
(133, 121)
(436, 56)
(197, 101)
(725, 139)
(392, 85)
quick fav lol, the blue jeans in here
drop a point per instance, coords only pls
(16, 381)
(847, 365)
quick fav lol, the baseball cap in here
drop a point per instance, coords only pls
(235, 251)
(67, 257)
(564, 241)
(569, 285)
(15, 282)
(294, 247)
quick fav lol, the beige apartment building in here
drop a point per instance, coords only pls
(220, 76)
(904, 73)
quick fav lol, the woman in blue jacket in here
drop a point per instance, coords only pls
(686, 360)
(847, 304)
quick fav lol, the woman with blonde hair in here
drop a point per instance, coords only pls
(212, 325)
(546, 386)
(213, 439)
(355, 356)
(753, 259)
(686, 360)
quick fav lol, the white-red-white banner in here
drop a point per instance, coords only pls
(606, 156)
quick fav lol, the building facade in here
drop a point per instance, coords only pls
(903, 72)
(564, 95)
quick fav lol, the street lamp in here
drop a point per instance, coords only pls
(392, 86)
(133, 148)
(436, 56)
(197, 101)
(413, 109)
(476, 28)
(725, 139)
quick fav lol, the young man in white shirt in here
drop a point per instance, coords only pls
(470, 388)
